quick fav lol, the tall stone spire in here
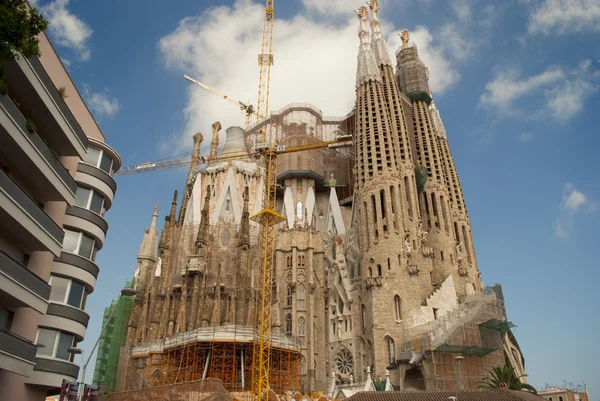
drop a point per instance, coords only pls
(245, 223)
(401, 141)
(378, 43)
(367, 64)
(215, 139)
(443, 237)
(386, 204)
(189, 183)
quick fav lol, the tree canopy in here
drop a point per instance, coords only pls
(505, 377)
(19, 26)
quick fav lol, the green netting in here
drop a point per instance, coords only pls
(112, 339)
(419, 95)
(465, 349)
(421, 174)
(501, 325)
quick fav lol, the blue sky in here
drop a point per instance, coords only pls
(516, 83)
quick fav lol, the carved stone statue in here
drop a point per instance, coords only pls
(407, 245)
(404, 35)
(459, 254)
(422, 234)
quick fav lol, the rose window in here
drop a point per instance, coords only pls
(345, 362)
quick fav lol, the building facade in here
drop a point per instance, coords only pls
(374, 264)
(55, 186)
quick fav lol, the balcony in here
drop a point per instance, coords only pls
(17, 354)
(24, 219)
(23, 287)
(49, 373)
(30, 83)
(65, 318)
(27, 152)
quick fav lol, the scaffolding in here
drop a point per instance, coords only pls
(113, 337)
(199, 390)
(475, 331)
(221, 352)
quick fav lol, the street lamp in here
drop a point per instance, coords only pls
(127, 292)
(458, 360)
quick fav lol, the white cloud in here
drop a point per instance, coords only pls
(101, 103)
(564, 16)
(67, 30)
(507, 86)
(314, 62)
(573, 202)
(526, 137)
(556, 92)
(331, 7)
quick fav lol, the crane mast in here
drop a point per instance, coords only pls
(265, 61)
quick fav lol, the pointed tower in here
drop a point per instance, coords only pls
(461, 224)
(215, 139)
(405, 193)
(189, 183)
(160, 302)
(143, 278)
(435, 230)
(383, 257)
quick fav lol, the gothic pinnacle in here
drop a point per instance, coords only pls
(377, 41)
(367, 65)
(215, 139)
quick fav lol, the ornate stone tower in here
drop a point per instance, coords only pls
(441, 243)
(393, 273)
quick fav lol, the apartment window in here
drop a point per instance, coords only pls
(79, 243)
(55, 344)
(99, 158)
(5, 318)
(66, 291)
(90, 199)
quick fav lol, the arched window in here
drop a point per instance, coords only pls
(289, 261)
(300, 297)
(397, 310)
(302, 331)
(288, 325)
(299, 210)
(290, 296)
(391, 349)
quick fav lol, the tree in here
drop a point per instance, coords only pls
(19, 26)
(505, 377)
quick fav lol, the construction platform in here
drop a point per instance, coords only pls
(224, 353)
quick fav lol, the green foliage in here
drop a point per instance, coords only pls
(31, 125)
(505, 377)
(62, 91)
(19, 27)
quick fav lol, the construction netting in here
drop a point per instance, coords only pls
(462, 345)
(115, 321)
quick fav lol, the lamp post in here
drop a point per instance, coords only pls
(458, 360)
(72, 350)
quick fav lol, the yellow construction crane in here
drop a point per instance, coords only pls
(248, 109)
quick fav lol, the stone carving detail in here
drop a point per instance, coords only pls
(463, 272)
(422, 234)
(459, 254)
(427, 251)
(413, 270)
(407, 245)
